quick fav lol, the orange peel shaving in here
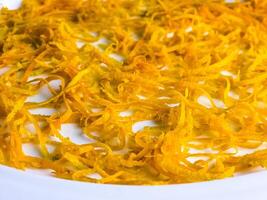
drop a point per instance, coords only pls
(195, 70)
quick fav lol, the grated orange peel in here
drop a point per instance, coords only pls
(196, 69)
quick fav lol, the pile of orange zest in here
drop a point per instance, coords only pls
(195, 69)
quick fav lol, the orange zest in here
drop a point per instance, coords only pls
(194, 71)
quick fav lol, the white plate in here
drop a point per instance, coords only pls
(17, 185)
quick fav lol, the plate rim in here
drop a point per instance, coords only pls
(56, 188)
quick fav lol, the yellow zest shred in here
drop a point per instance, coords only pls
(193, 73)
